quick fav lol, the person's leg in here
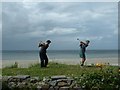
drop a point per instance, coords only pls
(42, 63)
(42, 59)
(83, 60)
(46, 60)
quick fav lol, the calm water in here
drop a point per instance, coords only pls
(57, 54)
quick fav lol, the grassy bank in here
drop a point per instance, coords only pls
(87, 76)
(57, 69)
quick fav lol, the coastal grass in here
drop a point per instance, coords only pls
(87, 77)
(56, 69)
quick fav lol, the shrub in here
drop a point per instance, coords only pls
(103, 79)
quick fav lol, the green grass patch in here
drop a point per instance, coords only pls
(86, 77)
(55, 69)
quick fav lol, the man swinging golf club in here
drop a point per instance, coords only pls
(42, 53)
(83, 46)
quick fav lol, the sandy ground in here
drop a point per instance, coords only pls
(21, 63)
(27, 63)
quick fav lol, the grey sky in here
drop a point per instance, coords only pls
(25, 24)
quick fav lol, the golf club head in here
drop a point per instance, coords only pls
(78, 39)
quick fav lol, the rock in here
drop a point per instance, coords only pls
(64, 88)
(46, 79)
(56, 88)
(39, 87)
(21, 85)
(13, 79)
(59, 81)
(48, 83)
(46, 86)
(53, 83)
(58, 77)
(62, 83)
(70, 81)
(11, 85)
(33, 80)
(5, 78)
(78, 88)
(51, 88)
(22, 77)
(18, 78)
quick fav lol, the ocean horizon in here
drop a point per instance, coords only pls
(56, 54)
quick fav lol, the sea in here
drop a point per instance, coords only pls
(57, 54)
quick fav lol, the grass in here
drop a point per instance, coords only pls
(54, 69)
(88, 76)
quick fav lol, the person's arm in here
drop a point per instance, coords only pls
(46, 46)
(41, 44)
(82, 43)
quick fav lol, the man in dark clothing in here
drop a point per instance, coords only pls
(42, 53)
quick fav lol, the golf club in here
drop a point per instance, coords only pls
(78, 39)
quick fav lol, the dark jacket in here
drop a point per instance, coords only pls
(43, 47)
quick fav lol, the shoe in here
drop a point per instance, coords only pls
(47, 66)
(81, 64)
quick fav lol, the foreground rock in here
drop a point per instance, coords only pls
(48, 83)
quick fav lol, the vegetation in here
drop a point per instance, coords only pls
(86, 77)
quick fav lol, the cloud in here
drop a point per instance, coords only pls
(60, 1)
(62, 31)
(0, 28)
(63, 22)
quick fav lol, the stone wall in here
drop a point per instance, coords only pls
(24, 82)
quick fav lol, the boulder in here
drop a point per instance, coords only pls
(58, 77)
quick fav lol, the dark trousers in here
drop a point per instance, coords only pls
(44, 59)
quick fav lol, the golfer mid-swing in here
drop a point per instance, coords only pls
(42, 53)
(83, 46)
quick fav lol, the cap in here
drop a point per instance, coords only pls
(87, 41)
(48, 41)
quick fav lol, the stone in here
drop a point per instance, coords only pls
(78, 88)
(53, 83)
(58, 77)
(5, 78)
(48, 83)
(13, 79)
(62, 83)
(46, 79)
(64, 88)
(21, 85)
(22, 77)
(56, 88)
(32, 80)
(70, 81)
(39, 88)
(11, 85)
(46, 86)
(51, 88)
(18, 78)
